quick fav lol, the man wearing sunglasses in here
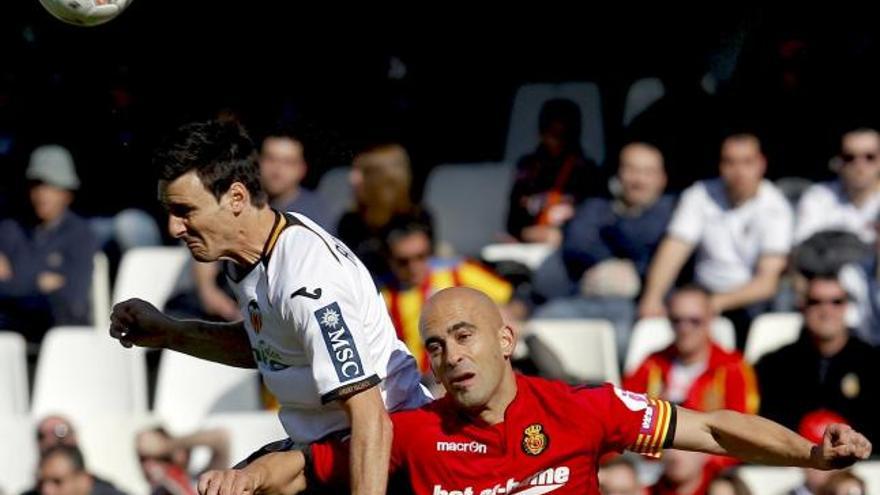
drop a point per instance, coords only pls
(827, 368)
(852, 201)
(694, 371)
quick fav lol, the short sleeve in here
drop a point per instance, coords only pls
(688, 219)
(321, 305)
(778, 231)
(638, 423)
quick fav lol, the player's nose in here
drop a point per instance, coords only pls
(175, 226)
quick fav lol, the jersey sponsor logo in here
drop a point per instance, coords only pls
(255, 316)
(633, 401)
(470, 447)
(545, 481)
(340, 343)
(535, 440)
(267, 357)
(302, 291)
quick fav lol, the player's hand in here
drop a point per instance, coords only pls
(137, 322)
(841, 447)
(228, 482)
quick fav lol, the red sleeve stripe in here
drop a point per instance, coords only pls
(654, 428)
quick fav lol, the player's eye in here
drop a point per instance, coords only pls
(463, 337)
(434, 348)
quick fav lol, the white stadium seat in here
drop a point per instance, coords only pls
(641, 95)
(585, 347)
(149, 273)
(81, 373)
(101, 292)
(107, 442)
(468, 203)
(13, 375)
(650, 335)
(18, 454)
(188, 389)
(522, 134)
(771, 331)
(247, 431)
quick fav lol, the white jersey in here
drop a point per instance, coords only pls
(730, 240)
(320, 331)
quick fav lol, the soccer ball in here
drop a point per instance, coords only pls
(85, 12)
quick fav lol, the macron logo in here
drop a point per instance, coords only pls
(470, 447)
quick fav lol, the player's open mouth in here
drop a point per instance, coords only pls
(463, 380)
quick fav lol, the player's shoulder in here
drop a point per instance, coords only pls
(557, 392)
(426, 417)
(305, 244)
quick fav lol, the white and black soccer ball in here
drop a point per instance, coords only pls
(85, 12)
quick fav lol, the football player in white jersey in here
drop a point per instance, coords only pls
(313, 322)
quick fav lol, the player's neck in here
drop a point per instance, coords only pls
(256, 227)
(493, 412)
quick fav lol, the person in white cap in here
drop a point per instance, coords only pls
(46, 260)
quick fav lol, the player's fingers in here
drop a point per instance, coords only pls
(214, 483)
(228, 480)
(243, 485)
(204, 479)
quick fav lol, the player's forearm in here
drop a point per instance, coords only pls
(753, 439)
(277, 473)
(370, 451)
(225, 343)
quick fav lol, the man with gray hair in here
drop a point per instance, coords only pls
(46, 259)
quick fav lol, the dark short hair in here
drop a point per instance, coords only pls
(405, 225)
(741, 135)
(71, 453)
(221, 153)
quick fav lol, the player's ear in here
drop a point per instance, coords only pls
(507, 337)
(238, 196)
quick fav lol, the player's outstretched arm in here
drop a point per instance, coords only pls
(137, 322)
(371, 435)
(278, 473)
(759, 440)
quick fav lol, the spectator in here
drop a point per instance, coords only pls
(416, 274)
(693, 371)
(609, 242)
(381, 178)
(46, 261)
(741, 228)
(55, 430)
(619, 477)
(827, 368)
(728, 484)
(283, 166)
(164, 459)
(843, 483)
(684, 473)
(62, 471)
(851, 202)
(551, 181)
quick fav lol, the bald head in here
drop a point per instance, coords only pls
(461, 300)
(470, 348)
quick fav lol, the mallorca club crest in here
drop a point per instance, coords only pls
(255, 316)
(534, 439)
